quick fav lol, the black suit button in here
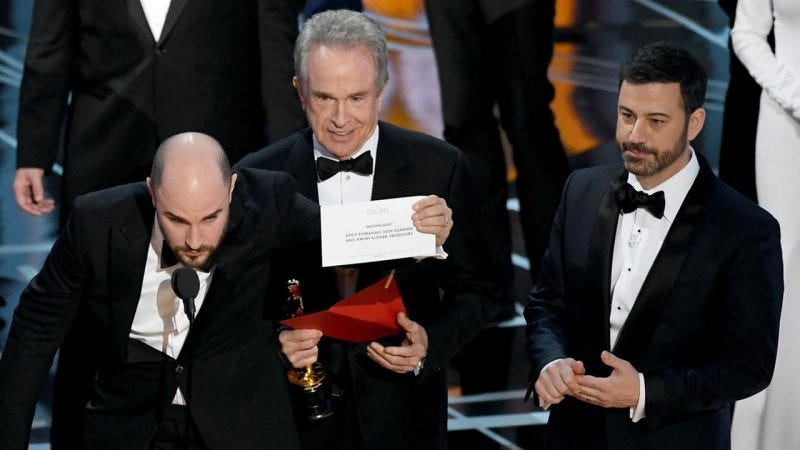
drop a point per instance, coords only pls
(160, 51)
(179, 369)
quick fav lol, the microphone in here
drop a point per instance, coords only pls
(186, 285)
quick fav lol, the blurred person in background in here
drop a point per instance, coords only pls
(766, 421)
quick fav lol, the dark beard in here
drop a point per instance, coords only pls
(179, 250)
(640, 166)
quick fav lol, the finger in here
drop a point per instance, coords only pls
(567, 376)
(610, 360)
(553, 382)
(26, 204)
(433, 229)
(578, 368)
(437, 210)
(37, 188)
(47, 205)
(308, 333)
(586, 382)
(409, 355)
(406, 357)
(415, 335)
(434, 220)
(303, 344)
(434, 215)
(553, 377)
(374, 352)
(299, 336)
(593, 396)
(408, 325)
(22, 193)
(545, 389)
(426, 202)
(31, 209)
(302, 358)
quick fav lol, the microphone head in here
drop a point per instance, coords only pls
(185, 283)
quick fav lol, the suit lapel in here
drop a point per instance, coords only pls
(229, 263)
(137, 15)
(128, 254)
(637, 332)
(392, 161)
(175, 9)
(301, 166)
(598, 279)
(391, 158)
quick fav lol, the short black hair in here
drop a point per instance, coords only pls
(662, 62)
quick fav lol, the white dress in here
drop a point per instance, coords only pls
(770, 420)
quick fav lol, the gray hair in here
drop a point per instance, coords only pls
(342, 29)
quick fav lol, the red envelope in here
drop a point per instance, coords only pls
(365, 316)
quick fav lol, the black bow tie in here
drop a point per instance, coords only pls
(327, 168)
(629, 199)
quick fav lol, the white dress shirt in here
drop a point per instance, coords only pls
(156, 13)
(160, 320)
(638, 240)
(347, 187)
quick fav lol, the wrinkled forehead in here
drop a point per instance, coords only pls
(652, 97)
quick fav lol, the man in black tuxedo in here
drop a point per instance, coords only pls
(139, 71)
(110, 270)
(393, 392)
(495, 53)
(659, 300)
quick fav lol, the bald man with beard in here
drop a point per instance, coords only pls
(110, 271)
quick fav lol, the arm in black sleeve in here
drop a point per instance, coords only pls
(750, 298)
(46, 82)
(46, 309)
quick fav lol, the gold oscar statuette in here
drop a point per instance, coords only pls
(311, 391)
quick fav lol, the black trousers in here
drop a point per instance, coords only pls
(177, 431)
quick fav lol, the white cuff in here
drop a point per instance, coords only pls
(440, 254)
(637, 413)
(549, 364)
(542, 404)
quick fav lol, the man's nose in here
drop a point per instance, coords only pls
(340, 115)
(194, 238)
(637, 132)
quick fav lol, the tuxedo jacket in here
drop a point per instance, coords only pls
(239, 397)
(220, 67)
(703, 330)
(399, 411)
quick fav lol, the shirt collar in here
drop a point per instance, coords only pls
(157, 243)
(675, 187)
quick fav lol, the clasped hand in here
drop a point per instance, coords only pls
(568, 377)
